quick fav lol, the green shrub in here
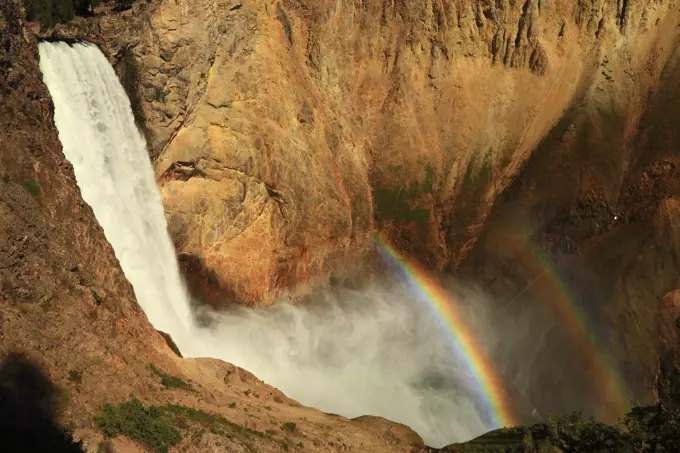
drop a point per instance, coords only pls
(32, 187)
(289, 426)
(51, 12)
(170, 381)
(144, 425)
(75, 376)
(40, 10)
(82, 7)
(402, 202)
(95, 296)
(213, 421)
(62, 11)
(645, 429)
(218, 431)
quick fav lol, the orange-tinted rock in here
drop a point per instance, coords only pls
(291, 131)
(475, 135)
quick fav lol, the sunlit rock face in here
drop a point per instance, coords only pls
(502, 142)
(285, 134)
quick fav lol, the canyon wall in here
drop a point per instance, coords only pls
(503, 142)
(591, 221)
(67, 307)
(285, 133)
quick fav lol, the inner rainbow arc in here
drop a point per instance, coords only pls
(430, 292)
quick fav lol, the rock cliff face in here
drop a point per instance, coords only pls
(285, 133)
(501, 141)
(65, 303)
(598, 202)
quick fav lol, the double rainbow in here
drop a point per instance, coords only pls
(431, 293)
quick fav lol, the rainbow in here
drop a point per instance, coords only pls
(606, 377)
(430, 292)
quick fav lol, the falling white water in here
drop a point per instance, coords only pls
(370, 353)
(114, 173)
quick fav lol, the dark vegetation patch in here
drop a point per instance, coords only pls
(51, 12)
(289, 426)
(211, 420)
(403, 202)
(170, 381)
(146, 425)
(642, 430)
(477, 177)
(75, 376)
(32, 187)
(159, 428)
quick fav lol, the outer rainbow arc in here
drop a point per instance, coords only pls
(430, 292)
(578, 326)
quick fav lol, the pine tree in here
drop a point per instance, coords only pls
(85, 7)
(82, 7)
(52, 12)
(62, 11)
(40, 10)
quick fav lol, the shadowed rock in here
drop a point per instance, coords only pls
(28, 410)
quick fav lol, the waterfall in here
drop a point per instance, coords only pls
(369, 353)
(109, 157)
